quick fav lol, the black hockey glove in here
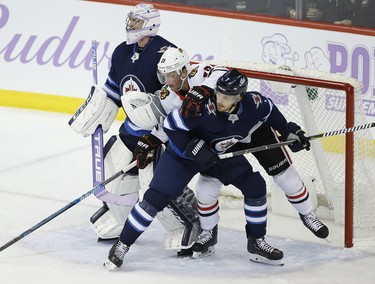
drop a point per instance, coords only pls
(143, 152)
(296, 133)
(194, 100)
(201, 154)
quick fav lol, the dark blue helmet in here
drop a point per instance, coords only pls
(232, 83)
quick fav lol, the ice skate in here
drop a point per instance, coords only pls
(185, 252)
(315, 225)
(116, 256)
(205, 245)
(261, 252)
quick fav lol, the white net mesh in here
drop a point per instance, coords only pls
(309, 98)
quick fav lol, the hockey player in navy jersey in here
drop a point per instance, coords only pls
(194, 142)
(133, 68)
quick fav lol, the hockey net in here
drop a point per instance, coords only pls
(339, 171)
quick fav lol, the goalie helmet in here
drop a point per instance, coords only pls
(173, 60)
(143, 109)
(143, 20)
(232, 83)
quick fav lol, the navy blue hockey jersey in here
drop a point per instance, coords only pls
(131, 71)
(221, 130)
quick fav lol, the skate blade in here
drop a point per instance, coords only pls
(110, 265)
(201, 254)
(328, 240)
(111, 240)
(260, 259)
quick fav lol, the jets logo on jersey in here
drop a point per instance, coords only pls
(257, 100)
(131, 83)
(164, 93)
(224, 144)
(211, 108)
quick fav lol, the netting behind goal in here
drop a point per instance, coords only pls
(339, 169)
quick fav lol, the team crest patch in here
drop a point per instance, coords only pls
(224, 144)
(193, 72)
(257, 100)
(131, 83)
(164, 93)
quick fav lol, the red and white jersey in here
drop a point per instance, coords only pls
(200, 74)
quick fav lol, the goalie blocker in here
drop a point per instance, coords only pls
(96, 110)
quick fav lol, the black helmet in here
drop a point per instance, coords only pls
(232, 83)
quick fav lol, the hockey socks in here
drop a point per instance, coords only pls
(256, 216)
(140, 217)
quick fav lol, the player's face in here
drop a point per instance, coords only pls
(173, 80)
(133, 23)
(225, 103)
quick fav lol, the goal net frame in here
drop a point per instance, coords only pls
(292, 77)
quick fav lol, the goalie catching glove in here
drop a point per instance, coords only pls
(194, 100)
(143, 152)
(296, 133)
(201, 154)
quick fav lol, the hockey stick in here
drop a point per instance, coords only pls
(285, 143)
(97, 149)
(130, 201)
(97, 137)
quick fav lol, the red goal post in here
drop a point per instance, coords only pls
(341, 168)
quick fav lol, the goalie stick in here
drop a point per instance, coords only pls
(285, 143)
(97, 137)
(128, 200)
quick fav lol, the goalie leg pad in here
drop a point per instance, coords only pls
(127, 184)
(117, 156)
(180, 219)
(295, 190)
(105, 224)
(96, 110)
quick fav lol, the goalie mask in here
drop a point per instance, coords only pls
(143, 20)
(171, 66)
(143, 109)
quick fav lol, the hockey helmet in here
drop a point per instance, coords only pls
(173, 60)
(143, 20)
(143, 109)
(232, 83)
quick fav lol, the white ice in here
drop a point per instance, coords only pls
(44, 166)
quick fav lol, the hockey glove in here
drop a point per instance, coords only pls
(201, 154)
(296, 133)
(194, 100)
(143, 152)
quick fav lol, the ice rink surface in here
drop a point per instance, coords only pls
(44, 165)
